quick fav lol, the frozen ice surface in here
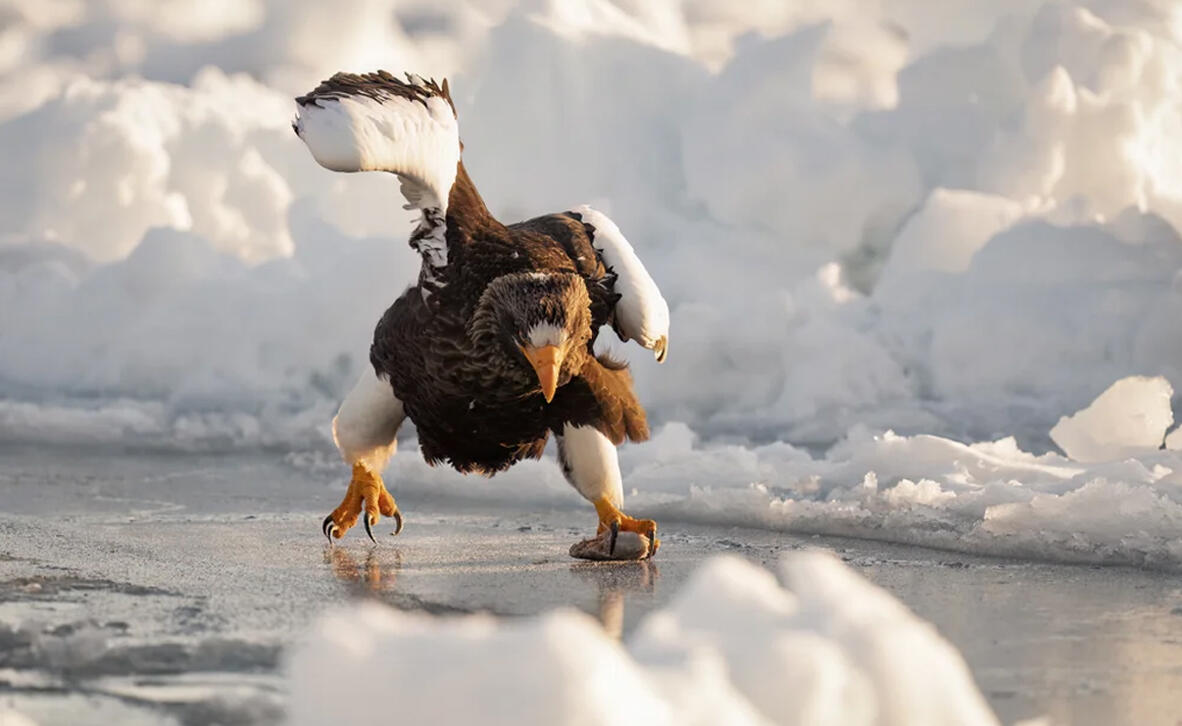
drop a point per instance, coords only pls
(1128, 419)
(732, 647)
(157, 588)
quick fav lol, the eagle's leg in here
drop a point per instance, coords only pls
(589, 461)
(364, 430)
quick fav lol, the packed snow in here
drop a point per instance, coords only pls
(921, 263)
(733, 647)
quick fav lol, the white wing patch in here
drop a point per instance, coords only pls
(376, 122)
(642, 313)
(381, 131)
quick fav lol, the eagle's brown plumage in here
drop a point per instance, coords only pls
(474, 399)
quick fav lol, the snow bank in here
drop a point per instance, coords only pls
(988, 498)
(733, 647)
(860, 214)
(1115, 499)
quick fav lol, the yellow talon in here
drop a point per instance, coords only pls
(612, 518)
(366, 493)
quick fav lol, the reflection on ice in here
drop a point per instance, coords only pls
(375, 573)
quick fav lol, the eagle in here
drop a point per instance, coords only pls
(492, 350)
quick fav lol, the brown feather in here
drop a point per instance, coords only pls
(476, 402)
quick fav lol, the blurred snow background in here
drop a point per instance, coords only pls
(734, 647)
(886, 230)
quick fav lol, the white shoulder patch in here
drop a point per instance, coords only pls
(642, 313)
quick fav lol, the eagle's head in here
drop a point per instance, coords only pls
(543, 320)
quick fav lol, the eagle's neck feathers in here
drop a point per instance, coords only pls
(441, 227)
(465, 207)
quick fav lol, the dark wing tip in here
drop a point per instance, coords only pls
(446, 92)
(379, 85)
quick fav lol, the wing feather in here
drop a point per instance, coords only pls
(641, 313)
(375, 122)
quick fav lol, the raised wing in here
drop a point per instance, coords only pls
(375, 122)
(641, 313)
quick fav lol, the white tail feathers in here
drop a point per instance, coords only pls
(375, 122)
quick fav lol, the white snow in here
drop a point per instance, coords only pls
(989, 498)
(12, 718)
(957, 224)
(734, 647)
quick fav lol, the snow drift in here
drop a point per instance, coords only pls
(733, 647)
(956, 224)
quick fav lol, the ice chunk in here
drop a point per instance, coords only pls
(1125, 420)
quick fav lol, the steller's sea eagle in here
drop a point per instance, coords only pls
(492, 349)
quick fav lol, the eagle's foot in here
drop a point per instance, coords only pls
(366, 494)
(614, 521)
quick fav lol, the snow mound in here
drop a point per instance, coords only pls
(1128, 419)
(986, 498)
(110, 160)
(547, 670)
(734, 647)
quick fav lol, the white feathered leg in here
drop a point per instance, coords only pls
(364, 430)
(589, 461)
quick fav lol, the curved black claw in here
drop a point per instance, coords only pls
(328, 527)
(368, 531)
(611, 550)
(397, 522)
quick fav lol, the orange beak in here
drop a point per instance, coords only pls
(546, 360)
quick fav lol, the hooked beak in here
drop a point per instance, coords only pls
(546, 360)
